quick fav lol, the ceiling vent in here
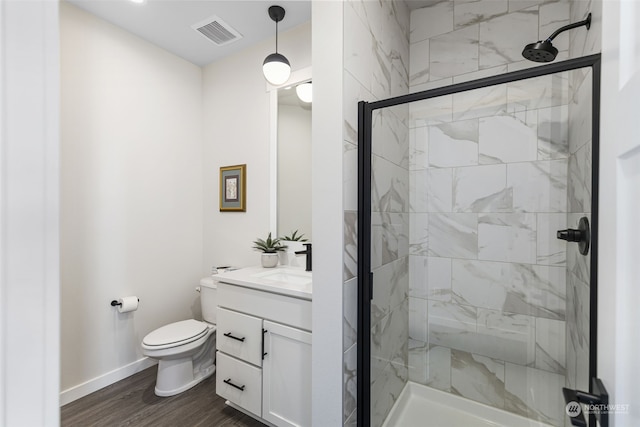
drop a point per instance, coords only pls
(217, 31)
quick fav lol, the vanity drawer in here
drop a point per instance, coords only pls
(289, 311)
(239, 335)
(239, 383)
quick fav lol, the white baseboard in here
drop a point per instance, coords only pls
(81, 390)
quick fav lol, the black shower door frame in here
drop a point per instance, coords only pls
(365, 275)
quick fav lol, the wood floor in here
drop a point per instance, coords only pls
(131, 402)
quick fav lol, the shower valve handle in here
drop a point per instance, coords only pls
(582, 235)
(570, 235)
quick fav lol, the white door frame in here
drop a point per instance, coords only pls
(619, 213)
(29, 201)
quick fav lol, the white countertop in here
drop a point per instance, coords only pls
(280, 280)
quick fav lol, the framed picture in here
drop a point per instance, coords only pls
(233, 186)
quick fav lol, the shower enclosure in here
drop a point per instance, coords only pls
(466, 284)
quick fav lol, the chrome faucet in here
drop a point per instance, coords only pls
(308, 254)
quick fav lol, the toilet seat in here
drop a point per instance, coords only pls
(175, 334)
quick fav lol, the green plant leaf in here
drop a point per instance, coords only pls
(295, 237)
(270, 245)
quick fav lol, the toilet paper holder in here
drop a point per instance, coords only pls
(115, 302)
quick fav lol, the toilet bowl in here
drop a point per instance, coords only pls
(185, 350)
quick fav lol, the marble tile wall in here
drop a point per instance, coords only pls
(488, 283)
(497, 308)
(461, 40)
(376, 66)
(389, 259)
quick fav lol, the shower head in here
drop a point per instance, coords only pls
(543, 51)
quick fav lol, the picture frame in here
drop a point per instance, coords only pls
(233, 186)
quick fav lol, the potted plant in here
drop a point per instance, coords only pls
(294, 237)
(269, 248)
(294, 244)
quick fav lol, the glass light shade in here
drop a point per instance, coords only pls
(276, 69)
(305, 92)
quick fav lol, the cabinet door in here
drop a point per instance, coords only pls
(286, 376)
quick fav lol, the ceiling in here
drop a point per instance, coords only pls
(167, 23)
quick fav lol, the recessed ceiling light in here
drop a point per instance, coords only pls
(138, 1)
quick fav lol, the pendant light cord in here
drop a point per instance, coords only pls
(276, 36)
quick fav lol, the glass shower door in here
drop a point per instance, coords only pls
(473, 293)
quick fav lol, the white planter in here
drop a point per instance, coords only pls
(269, 260)
(283, 256)
(289, 257)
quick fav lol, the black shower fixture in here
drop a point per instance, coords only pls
(543, 51)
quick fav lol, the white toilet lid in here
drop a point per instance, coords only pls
(175, 333)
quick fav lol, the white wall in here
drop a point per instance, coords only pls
(236, 131)
(131, 195)
(294, 170)
(328, 218)
(29, 207)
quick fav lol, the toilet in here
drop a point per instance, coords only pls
(185, 350)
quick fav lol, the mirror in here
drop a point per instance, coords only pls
(294, 164)
(290, 159)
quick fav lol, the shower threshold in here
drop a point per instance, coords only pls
(422, 406)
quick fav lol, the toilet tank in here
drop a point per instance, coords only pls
(208, 299)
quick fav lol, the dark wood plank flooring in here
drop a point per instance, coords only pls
(132, 402)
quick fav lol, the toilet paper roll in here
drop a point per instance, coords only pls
(128, 304)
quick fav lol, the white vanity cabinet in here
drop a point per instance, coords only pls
(264, 354)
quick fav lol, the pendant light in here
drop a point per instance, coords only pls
(276, 67)
(305, 92)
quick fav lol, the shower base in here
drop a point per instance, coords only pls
(423, 406)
